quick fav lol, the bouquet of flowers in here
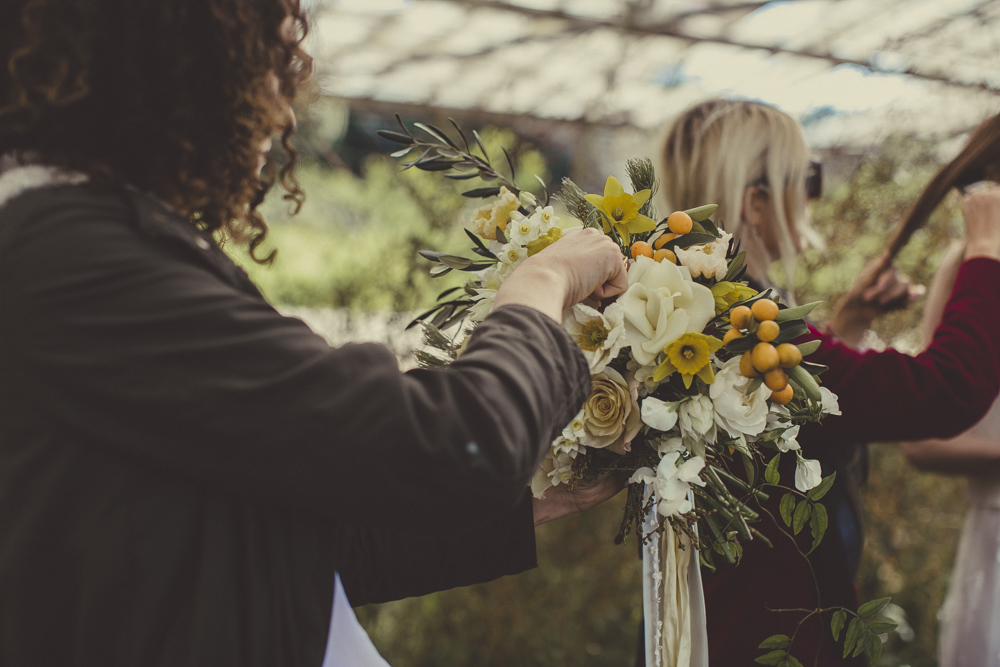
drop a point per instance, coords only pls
(697, 383)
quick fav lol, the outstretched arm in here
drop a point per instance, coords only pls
(969, 454)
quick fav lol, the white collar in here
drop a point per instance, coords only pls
(17, 177)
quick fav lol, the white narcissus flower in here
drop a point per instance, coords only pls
(575, 430)
(661, 304)
(697, 418)
(556, 469)
(658, 414)
(599, 335)
(522, 230)
(808, 474)
(512, 254)
(566, 446)
(830, 404)
(483, 305)
(736, 411)
(707, 260)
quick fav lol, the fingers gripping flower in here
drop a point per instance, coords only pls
(599, 335)
(621, 210)
(611, 417)
(661, 304)
(689, 355)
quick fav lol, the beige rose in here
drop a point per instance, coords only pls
(611, 417)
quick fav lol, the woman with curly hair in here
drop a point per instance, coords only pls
(183, 471)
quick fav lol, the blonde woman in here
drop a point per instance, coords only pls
(753, 161)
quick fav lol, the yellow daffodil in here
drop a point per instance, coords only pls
(727, 293)
(622, 210)
(689, 355)
(544, 241)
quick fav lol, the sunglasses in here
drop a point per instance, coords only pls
(814, 180)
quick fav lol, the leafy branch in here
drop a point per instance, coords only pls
(439, 152)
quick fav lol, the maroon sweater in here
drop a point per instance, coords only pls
(883, 396)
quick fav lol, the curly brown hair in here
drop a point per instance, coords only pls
(173, 97)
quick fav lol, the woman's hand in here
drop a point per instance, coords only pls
(982, 222)
(559, 501)
(580, 264)
(879, 289)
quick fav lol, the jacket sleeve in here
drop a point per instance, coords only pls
(130, 346)
(390, 560)
(937, 394)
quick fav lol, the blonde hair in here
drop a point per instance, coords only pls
(717, 149)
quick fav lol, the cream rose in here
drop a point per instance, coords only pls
(611, 417)
(736, 411)
(661, 304)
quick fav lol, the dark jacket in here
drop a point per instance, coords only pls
(182, 469)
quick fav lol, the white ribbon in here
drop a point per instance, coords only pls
(673, 602)
(348, 644)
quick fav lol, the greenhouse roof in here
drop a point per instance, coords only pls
(930, 66)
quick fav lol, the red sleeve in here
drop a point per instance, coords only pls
(939, 393)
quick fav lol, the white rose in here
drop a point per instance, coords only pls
(697, 418)
(658, 414)
(808, 474)
(599, 335)
(661, 304)
(708, 260)
(736, 411)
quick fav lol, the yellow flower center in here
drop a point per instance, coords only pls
(618, 214)
(524, 228)
(688, 354)
(592, 335)
(512, 255)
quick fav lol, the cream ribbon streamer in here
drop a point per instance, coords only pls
(673, 602)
